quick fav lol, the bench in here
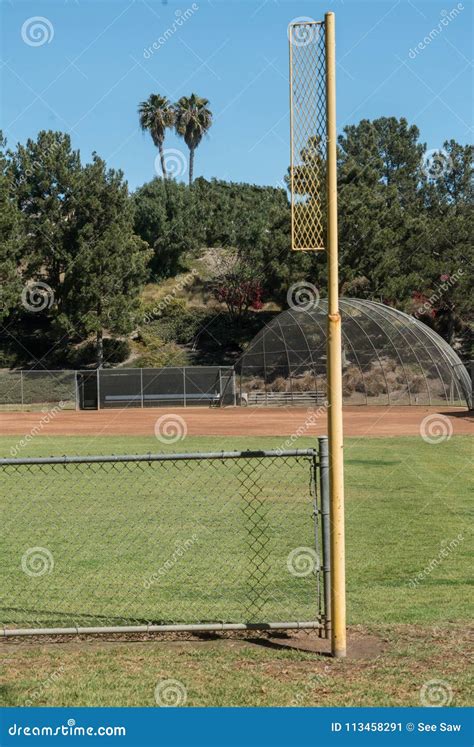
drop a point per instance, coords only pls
(257, 398)
(213, 399)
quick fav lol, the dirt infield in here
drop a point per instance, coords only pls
(358, 421)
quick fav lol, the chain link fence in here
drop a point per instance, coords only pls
(170, 386)
(37, 390)
(164, 542)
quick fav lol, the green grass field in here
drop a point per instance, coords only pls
(408, 574)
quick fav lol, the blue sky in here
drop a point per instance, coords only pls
(92, 70)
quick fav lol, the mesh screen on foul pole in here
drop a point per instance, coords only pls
(313, 183)
(308, 134)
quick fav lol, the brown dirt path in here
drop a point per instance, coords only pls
(239, 421)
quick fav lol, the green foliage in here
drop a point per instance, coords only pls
(156, 115)
(102, 286)
(175, 322)
(79, 240)
(114, 352)
(12, 238)
(154, 352)
(403, 225)
(405, 229)
(193, 121)
(45, 174)
(165, 219)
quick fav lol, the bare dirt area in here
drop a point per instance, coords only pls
(239, 421)
(362, 644)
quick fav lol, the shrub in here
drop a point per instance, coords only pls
(352, 381)
(115, 351)
(280, 384)
(375, 383)
(159, 353)
(172, 322)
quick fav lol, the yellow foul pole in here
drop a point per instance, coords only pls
(334, 363)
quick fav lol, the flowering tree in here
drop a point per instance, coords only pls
(237, 286)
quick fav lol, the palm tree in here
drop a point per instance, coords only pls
(156, 114)
(193, 120)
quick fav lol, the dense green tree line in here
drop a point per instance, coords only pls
(71, 264)
(405, 223)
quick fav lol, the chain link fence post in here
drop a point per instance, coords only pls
(326, 528)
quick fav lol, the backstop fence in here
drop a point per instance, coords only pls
(165, 542)
(118, 387)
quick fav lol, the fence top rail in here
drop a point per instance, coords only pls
(193, 455)
(18, 371)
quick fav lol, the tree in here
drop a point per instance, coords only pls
(156, 115)
(165, 218)
(237, 286)
(102, 286)
(44, 175)
(193, 120)
(448, 283)
(12, 238)
(381, 216)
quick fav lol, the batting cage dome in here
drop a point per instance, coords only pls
(388, 358)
